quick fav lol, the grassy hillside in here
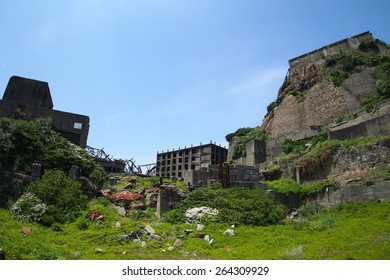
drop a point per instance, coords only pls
(350, 231)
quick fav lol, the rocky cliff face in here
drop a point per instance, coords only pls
(309, 100)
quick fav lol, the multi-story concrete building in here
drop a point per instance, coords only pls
(30, 99)
(174, 163)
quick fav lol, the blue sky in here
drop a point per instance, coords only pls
(156, 75)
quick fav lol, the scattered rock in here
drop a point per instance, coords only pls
(132, 180)
(229, 233)
(149, 229)
(77, 255)
(155, 236)
(123, 237)
(141, 243)
(292, 214)
(114, 179)
(200, 227)
(99, 251)
(188, 231)
(170, 249)
(207, 238)
(106, 193)
(96, 216)
(138, 205)
(26, 230)
(133, 235)
(120, 210)
(178, 243)
(194, 215)
(117, 224)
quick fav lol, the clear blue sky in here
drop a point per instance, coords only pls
(156, 75)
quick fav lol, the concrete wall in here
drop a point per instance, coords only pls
(74, 127)
(349, 43)
(197, 178)
(30, 99)
(345, 191)
(378, 189)
(168, 197)
(372, 123)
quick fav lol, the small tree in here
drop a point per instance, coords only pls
(62, 195)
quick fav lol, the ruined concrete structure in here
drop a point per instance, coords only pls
(298, 63)
(31, 99)
(174, 163)
(226, 174)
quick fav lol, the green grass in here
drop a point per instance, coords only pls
(350, 231)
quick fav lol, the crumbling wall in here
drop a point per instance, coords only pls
(168, 197)
(351, 191)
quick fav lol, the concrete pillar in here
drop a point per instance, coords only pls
(298, 174)
(74, 172)
(36, 171)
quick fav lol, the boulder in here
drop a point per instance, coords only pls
(155, 236)
(200, 227)
(99, 251)
(26, 230)
(229, 233)
(123, 237)
(178, 243)
(149, 229)
(120, 210)
(138, 205)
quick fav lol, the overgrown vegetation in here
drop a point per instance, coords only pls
(23, 142)
(289, 186)
(235, 205)
(321, 154)
(62, 196)
(299, 146)
(345, 62)
(241, 137)
(352, 231)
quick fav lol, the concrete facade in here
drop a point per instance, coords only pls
(174, 163)
(30, 99)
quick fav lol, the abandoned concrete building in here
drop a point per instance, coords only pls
(174, 163)
(31, 99)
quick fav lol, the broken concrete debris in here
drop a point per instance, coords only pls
(195, 215)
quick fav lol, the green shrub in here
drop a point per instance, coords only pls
(22, 142)
(28, 208)
(235, 205)
(285, 186)
(321, 224)
(290, 146)
(62, 195)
